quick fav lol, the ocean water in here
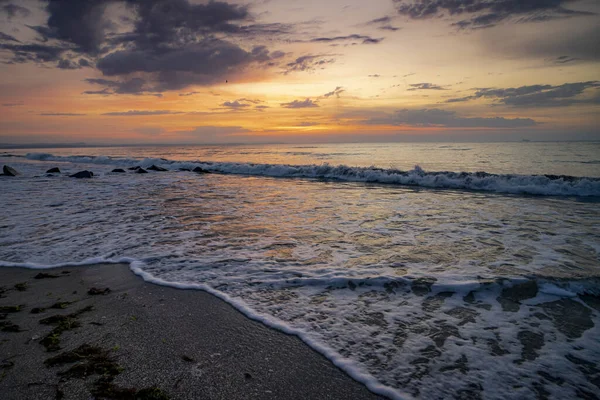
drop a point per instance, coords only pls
(423, 270)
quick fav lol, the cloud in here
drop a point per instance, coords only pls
(485, 13)
(37, 53)
(20, 103)
(135, 86)
(447, 119)
(160, 45)
(336, 92)
(538, 95)
(384, 23)
(309, 62)
(425, 86)
(189, 93)
(62, 115)
(8, 38)
(375, 76)
(236, 105)
(261, 108)
(136, 113)
(13, 10)
(354, 37)
(70, 64)
(307, 103)
(307, 123)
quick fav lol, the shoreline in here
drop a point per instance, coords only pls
(185, 344)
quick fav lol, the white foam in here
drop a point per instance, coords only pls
(514, 184)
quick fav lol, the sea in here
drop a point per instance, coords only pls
(424, 270)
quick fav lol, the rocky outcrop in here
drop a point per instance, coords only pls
(156, 168)
(141, 171)
(134, 168)
(54, 170)
(199, 170)
(9, 171)
(82, 174)
(118, 170)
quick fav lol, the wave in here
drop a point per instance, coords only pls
(545, 185)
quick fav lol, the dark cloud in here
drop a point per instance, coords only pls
(565, 60)
(538, 95)
(384, 23)
(425, 86)
(136, 113)
(188, 94)
(354, 37)
(336, 92)
(307, 103)
(8, 38)
(37, 53)
(13, 104)
(80, 22)
(261, 108)
(484, 13)
(375, 76)
(135, 86)
(448, 119)
(70, 64)
(171, 44)
(309, 62)
(13, 10)
(62, 115)
(305, 124)
(236, 105)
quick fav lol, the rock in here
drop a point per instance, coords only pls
(141, 171)
(95, 291)
(134, 168)
(118, 170)
(199, 170)
(9, 171)
(54, 170)
(82, 174)
(157, 168)
(185, 169)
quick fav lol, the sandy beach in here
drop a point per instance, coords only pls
(102, 332)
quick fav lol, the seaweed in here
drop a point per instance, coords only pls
(10, 309)
(43, 275)
(21, 287)
(62, 324)
(7, 326)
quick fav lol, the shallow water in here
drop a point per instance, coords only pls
(433, 292)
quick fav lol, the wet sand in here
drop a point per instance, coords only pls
(58, 340)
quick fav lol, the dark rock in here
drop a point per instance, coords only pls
(157, 168)
(118, 170)
(95, 291)
(9, 171)
(54, 170)
(82, 174)
(134, 168)
(199, 170)
(422, 286)
(141, 171)
(43, 275)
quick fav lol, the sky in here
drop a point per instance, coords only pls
(282, 71)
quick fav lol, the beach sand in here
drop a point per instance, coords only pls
(148, 341)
